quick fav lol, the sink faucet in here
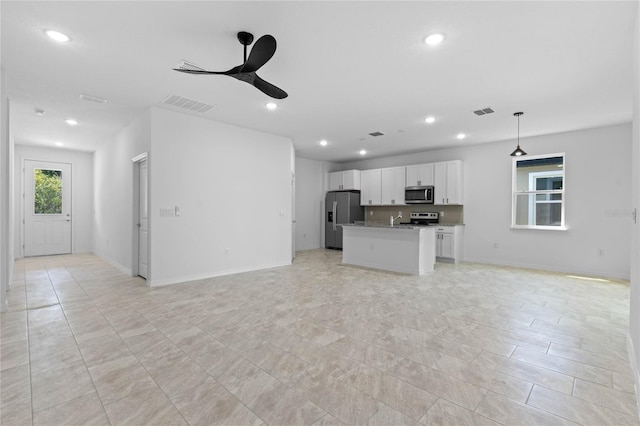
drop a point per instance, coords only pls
(392, 220)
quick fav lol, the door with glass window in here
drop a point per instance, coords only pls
(47, 208)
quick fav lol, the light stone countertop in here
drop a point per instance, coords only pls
(386, 225)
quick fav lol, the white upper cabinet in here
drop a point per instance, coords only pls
(448, 182)
(420, 175)
(371, 184)
(345, 180)
(392, 186)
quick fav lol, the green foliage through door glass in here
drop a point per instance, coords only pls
(47, 191)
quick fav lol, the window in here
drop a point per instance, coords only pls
(538, 192)
(47, 191)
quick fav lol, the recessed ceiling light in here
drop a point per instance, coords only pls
(271, 105)
(57, 36)
(58, 144)
(71, 122)
(434, 39)
(323, 142)
(39, 112)
(363, 152)
(429, 120)
(461, 136)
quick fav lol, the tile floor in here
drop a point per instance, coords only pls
(315, 343)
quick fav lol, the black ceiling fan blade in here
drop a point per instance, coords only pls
(269, 89)
(261, 52)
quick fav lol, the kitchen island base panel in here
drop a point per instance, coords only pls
(397, 249)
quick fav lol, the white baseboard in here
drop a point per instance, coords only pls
(187, 278)
(599, 274)
(634, 367)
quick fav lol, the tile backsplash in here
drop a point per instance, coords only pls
(452, 214)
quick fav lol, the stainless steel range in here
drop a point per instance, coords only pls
(424, 218)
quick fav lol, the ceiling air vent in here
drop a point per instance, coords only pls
(374, 134)
(484, 111)
(186, 103)
(94, 99)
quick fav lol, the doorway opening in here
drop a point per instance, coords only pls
(140, 248)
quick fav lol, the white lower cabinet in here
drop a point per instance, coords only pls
(449, 243)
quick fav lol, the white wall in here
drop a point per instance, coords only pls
(81, 193)
(309, 203)
(634, 317)
(598, 182)
(6, 194)
(233, 188)
(113, 192)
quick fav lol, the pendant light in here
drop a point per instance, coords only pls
(518, 151)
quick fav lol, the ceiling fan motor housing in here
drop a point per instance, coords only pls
(245, 38)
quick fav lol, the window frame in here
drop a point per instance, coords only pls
(532, 192)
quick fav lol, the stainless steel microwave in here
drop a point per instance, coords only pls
(418, 195)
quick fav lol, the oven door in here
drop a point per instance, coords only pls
(418, 195)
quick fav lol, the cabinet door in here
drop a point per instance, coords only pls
(387, 187)
(419, 175)
(392, 186)
(426, 174)
(454, 182)
(413, 175)
(351, 179)
(440, 183)
(447, 246)
(399, 183)
(335, 181)
(370, 185)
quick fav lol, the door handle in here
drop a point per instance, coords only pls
(335, 215)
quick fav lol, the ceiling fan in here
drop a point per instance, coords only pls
(262, 51)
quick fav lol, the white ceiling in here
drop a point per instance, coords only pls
(350, 68)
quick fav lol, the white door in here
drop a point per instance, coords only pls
(47, 208)
(143, 220)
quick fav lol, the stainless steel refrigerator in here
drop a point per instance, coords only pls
(340, 207)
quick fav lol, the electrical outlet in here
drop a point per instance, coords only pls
(226, 251)
(441, 214)
(177, 211)
(370, 212)
(400, 214)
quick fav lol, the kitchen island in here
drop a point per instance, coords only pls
(399, 248)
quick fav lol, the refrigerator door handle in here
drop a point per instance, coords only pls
(335, 215)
